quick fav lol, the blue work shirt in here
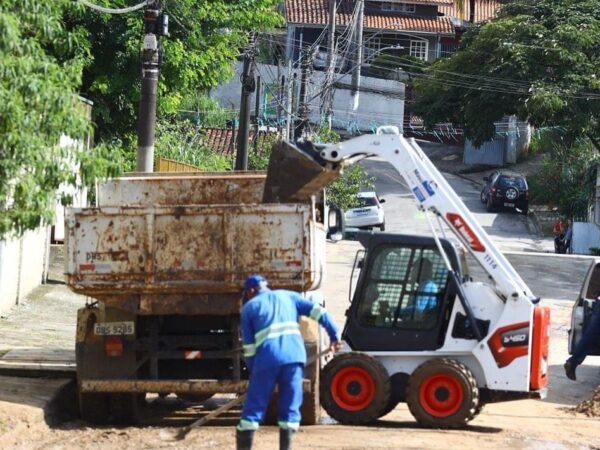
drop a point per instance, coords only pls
(271, 332)
(427, 296)
(569, 234)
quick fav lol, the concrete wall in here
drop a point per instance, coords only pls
(23, 266)
(511, 140)
(585, 235)
(381, 102)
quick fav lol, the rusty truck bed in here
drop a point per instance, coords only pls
(192, 249)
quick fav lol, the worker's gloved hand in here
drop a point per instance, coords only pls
(335, 346)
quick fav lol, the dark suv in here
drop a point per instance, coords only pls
(505, 189)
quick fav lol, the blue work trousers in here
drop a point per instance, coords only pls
(590, 337)
(288, 379)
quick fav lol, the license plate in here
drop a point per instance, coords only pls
(114, 328)
(509, 204)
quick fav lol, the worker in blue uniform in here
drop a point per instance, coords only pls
(275, 355)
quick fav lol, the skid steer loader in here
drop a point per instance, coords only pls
(419, 330)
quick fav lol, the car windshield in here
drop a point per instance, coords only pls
(507, 181)
(364, 202)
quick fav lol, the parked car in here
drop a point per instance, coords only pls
(505, 189)
(368, 214)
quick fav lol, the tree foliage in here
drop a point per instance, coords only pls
(342, 193)
(567, 178)
(40, 72)
(539, 60)
(205, 38)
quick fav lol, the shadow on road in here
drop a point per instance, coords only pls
(390, 424)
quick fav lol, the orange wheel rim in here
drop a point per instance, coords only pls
(353, 388)
(441, 395)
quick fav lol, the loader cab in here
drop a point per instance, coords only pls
(403, 297)
(582, 309)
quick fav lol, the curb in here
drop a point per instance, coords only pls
(534, 222)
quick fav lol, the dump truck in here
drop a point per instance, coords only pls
(162, 259)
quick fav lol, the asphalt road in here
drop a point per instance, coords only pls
(548, 275)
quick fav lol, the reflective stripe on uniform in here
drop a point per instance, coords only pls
(316, 312)
(288, 425)
(249, 350)
(276, 330)
(246, 425)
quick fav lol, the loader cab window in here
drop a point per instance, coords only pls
(404, 289)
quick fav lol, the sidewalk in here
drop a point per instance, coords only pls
(47, 316)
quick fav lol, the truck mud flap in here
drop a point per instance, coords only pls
(295, 174)
(168, 386)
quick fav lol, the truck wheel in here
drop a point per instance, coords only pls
(355, 388)
(442, 393)
(94, 408)
(125, 408)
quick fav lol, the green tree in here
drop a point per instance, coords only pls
(40, 73)
(342, 193)
(539, 60)
(567, 178)
(205, 39)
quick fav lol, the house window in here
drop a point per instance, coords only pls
(399, 7)
(418, 49)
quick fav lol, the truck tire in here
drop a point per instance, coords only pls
(125, 408)
(94, 408)
(442, 393)
(355, 388)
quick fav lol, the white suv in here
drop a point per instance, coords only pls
(368, 214)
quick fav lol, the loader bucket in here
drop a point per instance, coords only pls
(295, 174)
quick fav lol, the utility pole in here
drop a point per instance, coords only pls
(256, 113)
(248, 87)
(331, 44)
(156, 24)
(290, 100)
(302, 105)
(358, 55)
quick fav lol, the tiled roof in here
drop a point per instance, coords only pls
(316, 12)
(484, 10)
(222, 140)
(439, 25)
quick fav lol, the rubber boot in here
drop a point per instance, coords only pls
(243, 439)
(285, 438)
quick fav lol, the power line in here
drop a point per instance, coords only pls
(115, 10)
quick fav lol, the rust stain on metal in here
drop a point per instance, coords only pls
(176, 386)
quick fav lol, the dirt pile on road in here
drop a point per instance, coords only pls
(591, 406)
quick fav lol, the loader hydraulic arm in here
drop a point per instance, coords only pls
(433, 193)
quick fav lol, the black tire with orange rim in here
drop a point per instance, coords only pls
(443, 393)
(355, 388)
